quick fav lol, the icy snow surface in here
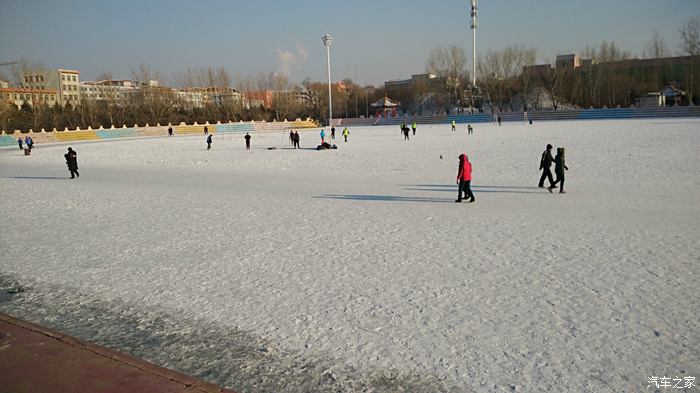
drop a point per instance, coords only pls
(354, 270)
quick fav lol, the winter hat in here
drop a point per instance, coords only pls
(549, 146)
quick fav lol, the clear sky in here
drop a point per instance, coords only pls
(381, 40)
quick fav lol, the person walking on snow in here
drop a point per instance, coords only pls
(464, 179)
(291, 137)
(206, 130)
(208, 142)
(295, 140)
(72, 162)
(29, 142)
(19, 142)
(405, 133)
(559, 168)
(454, 125)
(170, 131)
(247, 141)
(414, 126)
(346, 133)
(332, 133)
(470, 129)
(323, 136)
(545, 164)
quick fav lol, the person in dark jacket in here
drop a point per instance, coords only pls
(295, 139)
(291, 137)
(72, 162)
(545, 164)
(464, 179)
(170, 131)
(209, 142)
(332, 134)
(405, 133)
(206, 130)
(247, 141)
(559, 168)
(470, 129)
(19, 142)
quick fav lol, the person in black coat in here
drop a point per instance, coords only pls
(296, 140)
(559, 168)
(247, 141)
(209, 142)
(545, 165)
(72, 162)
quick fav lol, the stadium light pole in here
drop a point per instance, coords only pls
(327, 40)
(474, 24)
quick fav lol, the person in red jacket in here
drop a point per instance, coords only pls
(464, 179)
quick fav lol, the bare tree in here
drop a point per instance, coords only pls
(24, 67)
(502, 74)
(690, 37)
(154, 103)
(656, 47)
(449, 63)
(105, 76)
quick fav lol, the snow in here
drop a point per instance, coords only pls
(354, 270)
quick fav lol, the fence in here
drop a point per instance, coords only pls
(581, 114)
(10, 138)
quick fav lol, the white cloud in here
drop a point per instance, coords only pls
(285, 61)
(302, 52)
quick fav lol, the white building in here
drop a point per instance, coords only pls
(65, 82)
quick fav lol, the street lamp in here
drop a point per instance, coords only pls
(327, 40)
(474, 24)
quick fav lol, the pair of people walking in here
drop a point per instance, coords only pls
(295, 139)
(559, 168)
(464, 179)
(72, 162)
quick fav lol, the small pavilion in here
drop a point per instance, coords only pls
(385, 107)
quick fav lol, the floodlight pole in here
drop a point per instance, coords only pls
(474, 25)
(327, 40)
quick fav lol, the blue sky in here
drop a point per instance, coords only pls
(382, 40)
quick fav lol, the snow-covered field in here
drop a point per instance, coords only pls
(354, 270)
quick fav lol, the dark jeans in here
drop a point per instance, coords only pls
(208, 145)
(73, 173)
(560, 180)
(464, 187)
(546, 174)
(247, 145)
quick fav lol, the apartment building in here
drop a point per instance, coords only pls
(115, 91)
(66, 83)
(18, 96)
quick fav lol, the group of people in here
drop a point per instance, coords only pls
(27, 141)
(405, 130)
(559, 168)
(346, 133)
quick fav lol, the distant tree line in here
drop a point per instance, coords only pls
(507, 81)
(503, 75)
